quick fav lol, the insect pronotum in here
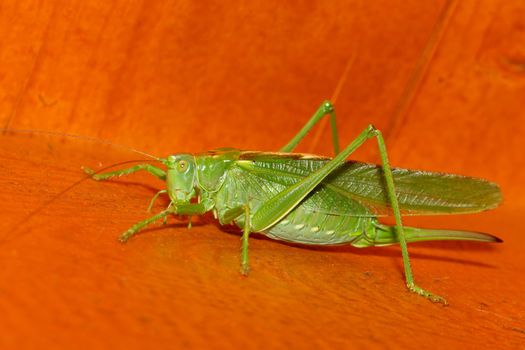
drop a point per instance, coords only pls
(314, 200)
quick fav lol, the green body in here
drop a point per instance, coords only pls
(315, 200)
(343, 208)
(325, 217)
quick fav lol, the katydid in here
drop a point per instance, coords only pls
(315, 200)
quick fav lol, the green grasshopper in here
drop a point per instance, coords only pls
(314, 200)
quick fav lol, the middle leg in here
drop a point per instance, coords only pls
(325, 108)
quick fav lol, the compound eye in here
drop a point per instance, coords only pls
(182, 166)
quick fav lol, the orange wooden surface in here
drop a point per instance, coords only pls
(182, 76)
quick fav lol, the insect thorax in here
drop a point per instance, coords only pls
(212, 167)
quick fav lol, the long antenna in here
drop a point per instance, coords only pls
(418, 74)
(79, 137)
(414, 81)
(25, 219)
(40, 208)
(333, 99)
(343, 78)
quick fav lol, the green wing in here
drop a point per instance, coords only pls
(418, 192)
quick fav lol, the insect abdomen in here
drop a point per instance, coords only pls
(301, 226)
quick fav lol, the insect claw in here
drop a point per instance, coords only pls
(438, 299)
(88, 171)
(245, 270)
(127, 235)
(124, 237)
(424, 293)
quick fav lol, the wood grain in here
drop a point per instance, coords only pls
(182, 76)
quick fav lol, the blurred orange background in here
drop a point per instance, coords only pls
(444, 81)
